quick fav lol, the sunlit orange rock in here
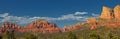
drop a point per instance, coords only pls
(107, 13)
(94, 25)
(71, 27)
(117, 12)
(91, 20)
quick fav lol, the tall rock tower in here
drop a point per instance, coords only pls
(107, 13)
(117, 12)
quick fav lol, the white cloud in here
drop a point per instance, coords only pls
(80, 13)
(26, 19)
(4, 15)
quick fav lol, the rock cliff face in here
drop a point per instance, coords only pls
(71, 27)
(111, 18)
(7, 26)
(107, 13)
(42, 26)
(117, 12)
(92, 22)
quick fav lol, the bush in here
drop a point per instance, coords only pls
(30, 36)
(93, 35)
(71, 35)
(116, 37)
(9, 35)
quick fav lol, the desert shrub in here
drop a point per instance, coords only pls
(30, 36)
(9, 35)
(71, 35)
(94, 35)
(116, 37)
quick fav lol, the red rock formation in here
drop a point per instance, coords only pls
(117, 12)
(94, 25)
(107, 13)
(42, 26)
(71, 27)
(92, 22)
(7, 26)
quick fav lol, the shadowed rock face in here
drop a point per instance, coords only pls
(117, 12)
(107, 13)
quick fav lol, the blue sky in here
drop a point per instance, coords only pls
(61, 12)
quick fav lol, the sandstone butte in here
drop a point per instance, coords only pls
(107, 13)
(117, 12)
(109, 18)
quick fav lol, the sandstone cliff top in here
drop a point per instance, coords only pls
(105, 7)
(118, 6)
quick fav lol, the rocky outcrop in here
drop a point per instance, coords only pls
(42, 26)
(92, 22)
(71, 27)
(117, 12)
(107, 13)
(8, 26)
(93, 26)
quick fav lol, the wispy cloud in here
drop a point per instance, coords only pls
(80, 13)
(26, 19)
(4, 15)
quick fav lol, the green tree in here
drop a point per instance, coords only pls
(30, 36)
(110, 35)
(93, 35)
(9, 35)
(71, 36)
